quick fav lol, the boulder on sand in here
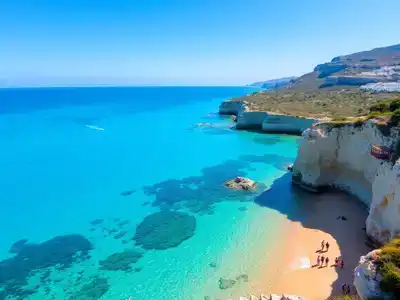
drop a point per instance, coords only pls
(241, 183)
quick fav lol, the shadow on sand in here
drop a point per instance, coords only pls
(320, 211)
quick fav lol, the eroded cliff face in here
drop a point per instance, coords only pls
(341, 158)
(367, 277)
(232, 107)
(264, 121)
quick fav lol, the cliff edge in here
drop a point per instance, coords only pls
(360, 158)
(344, 158)
(248, 118)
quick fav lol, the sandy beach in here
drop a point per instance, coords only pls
(296, 271)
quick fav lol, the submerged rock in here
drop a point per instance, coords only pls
(96, 222)
(17, 246)
(120, 234)
(203, 125)
(241, 183)
(61, 251)
(93, 290)
(243, 277)
(226, 283)
(123, 223)
(165, 229)
(121, 261)
(127, 193)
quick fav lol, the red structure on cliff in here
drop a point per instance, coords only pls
(380, 152)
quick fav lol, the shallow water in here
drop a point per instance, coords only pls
(72, 156)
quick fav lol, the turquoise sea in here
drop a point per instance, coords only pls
(117, 193)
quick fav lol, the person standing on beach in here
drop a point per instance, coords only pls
(336, 261)
(318, 260)
(327, 246)
(322, 260)
(348, 289)
(342, 264)
(344, 288)
(322, 245)
(327, 261)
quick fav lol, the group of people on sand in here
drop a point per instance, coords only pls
(321, 259)
(346, 289)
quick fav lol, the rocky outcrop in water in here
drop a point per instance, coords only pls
(241, 183)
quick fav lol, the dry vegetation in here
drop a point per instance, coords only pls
(320, 103)
(390, 268)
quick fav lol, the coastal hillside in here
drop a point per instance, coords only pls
(274, 83)
(345, 86)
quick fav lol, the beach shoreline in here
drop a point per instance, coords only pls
(295, 271)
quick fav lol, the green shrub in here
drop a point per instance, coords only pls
(390, 282)
(394, 104)
(376, 114)
(339, 119)
(395, 118)
(380, 107)
(390, 268)
(344, 297)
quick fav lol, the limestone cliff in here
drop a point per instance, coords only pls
(341, 158)
(232, 107)
(264, 121)
(367, 276)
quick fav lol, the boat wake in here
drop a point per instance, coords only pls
(94, 127)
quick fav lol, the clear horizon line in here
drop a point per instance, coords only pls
(121, 86)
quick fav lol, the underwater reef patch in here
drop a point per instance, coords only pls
(121, 261)
(199, 194)
(226, 283)
(165, 229)
(61, 251)
(120, 234)
(127, 193)
(93, 290)
(17, 246)
(96, 222)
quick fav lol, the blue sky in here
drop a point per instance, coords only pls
(188, 42)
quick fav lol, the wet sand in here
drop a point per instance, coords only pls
(296, 271)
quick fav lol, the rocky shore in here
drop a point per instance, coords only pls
(267, 122)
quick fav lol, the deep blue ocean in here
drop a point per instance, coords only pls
(117, 193)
